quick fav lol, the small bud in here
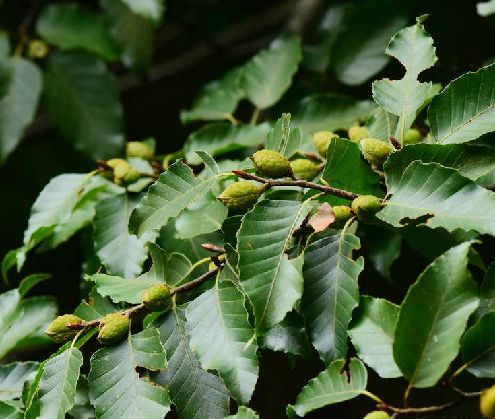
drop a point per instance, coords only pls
(412, 136)
(357, 133)
(304, 168)
(487, 403)
(377, 414)
(123, 172)
(37, 49)
(58, 330)
(322, 139)
(139, 149)
(375, 151)
(157, 297)
(271, 163)
(240, 196)
(365, 206)
(113, 328)
(342, 215)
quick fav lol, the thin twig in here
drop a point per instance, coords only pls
(298, 182)
(395, 142)
(416, 410)
(195, 282)
(213, 248)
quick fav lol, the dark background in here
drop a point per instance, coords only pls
(198, 42)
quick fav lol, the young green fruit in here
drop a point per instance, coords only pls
(342, 215)
(412, 136)
(377, 414)
(375, 151)
(37, 49)
(123, 172)
(487, 402)
(322, 139)
(357, 133)
(365, 206)
(58, 330)
(157, 297)
(304, 168)
(240, 196)
(113, 328)
(271, 163)
(139, 149)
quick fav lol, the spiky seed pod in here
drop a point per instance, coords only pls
(123, 172)
(377, 414)
(366, 206)
(322, 139)
(375, 151)
(240, 196)
(271, 163)
(357, 133)
(157, 297)
(342, 213)
(304, 168)
(58, 330)
(113, 329)
(412, 136)
(139, 149)
(487, 402)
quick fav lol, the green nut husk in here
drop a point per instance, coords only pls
(113, 329)
(322, 139)
(357, 133)
(375, 151)
(487, 402)
(342, 214)
(304, 168)
(37, 49)
(139, 149)
(123, 172)
(157, 297)
(58, 330)
(271, 163)
(377, 414)
(366, 206)
(412, 136)
(240, 196)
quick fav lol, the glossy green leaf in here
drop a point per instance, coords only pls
(195, 392)
(220, 333)
(330, 292)
(8, 411)
(384, 247)
(223, 137)
(331, 386)
(465, 109)
(121, 289)
(173, 192)
(95, 307)
(486, 8)
(72, 26)
(487, 293)
(381, 124)
(272, 283)
(269, 73)
(20, 88)
(82, 408)
(30, 281)
(439, 194)
(372, 333)
(327, 111)
(148, 9)
(116, 389)
(433, 317)
(57, 387)
(13, 376)
(244, 413)
(478, 347)
(81, 96)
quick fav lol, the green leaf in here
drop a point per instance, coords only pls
(173, 192)
(57, 387)
(20, 88)
(95, 307)
(81, 96)
(121, 253)
(331, 386)
(223, 137)
(30, 281)
(330, 292)
(148, 9)
(279, 135)
(72, 26)
(487, 293)
(372, 333)
(272, 283)
(346, 169)
(465, 109)
(82, 408)
(445, 198)
(169, 268)
(195, 392)
(269, 73)
(478, 347)
(134, 34)
(486, 8)
(13, 376)
(413, 47)
(8, 411)
(120, 289)
(433, 317)
(330, 112)
(116, 389)
(470, 161)
(381, 124)
(383, 247)
(220, 334)
(358, 52)
(244, 413)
